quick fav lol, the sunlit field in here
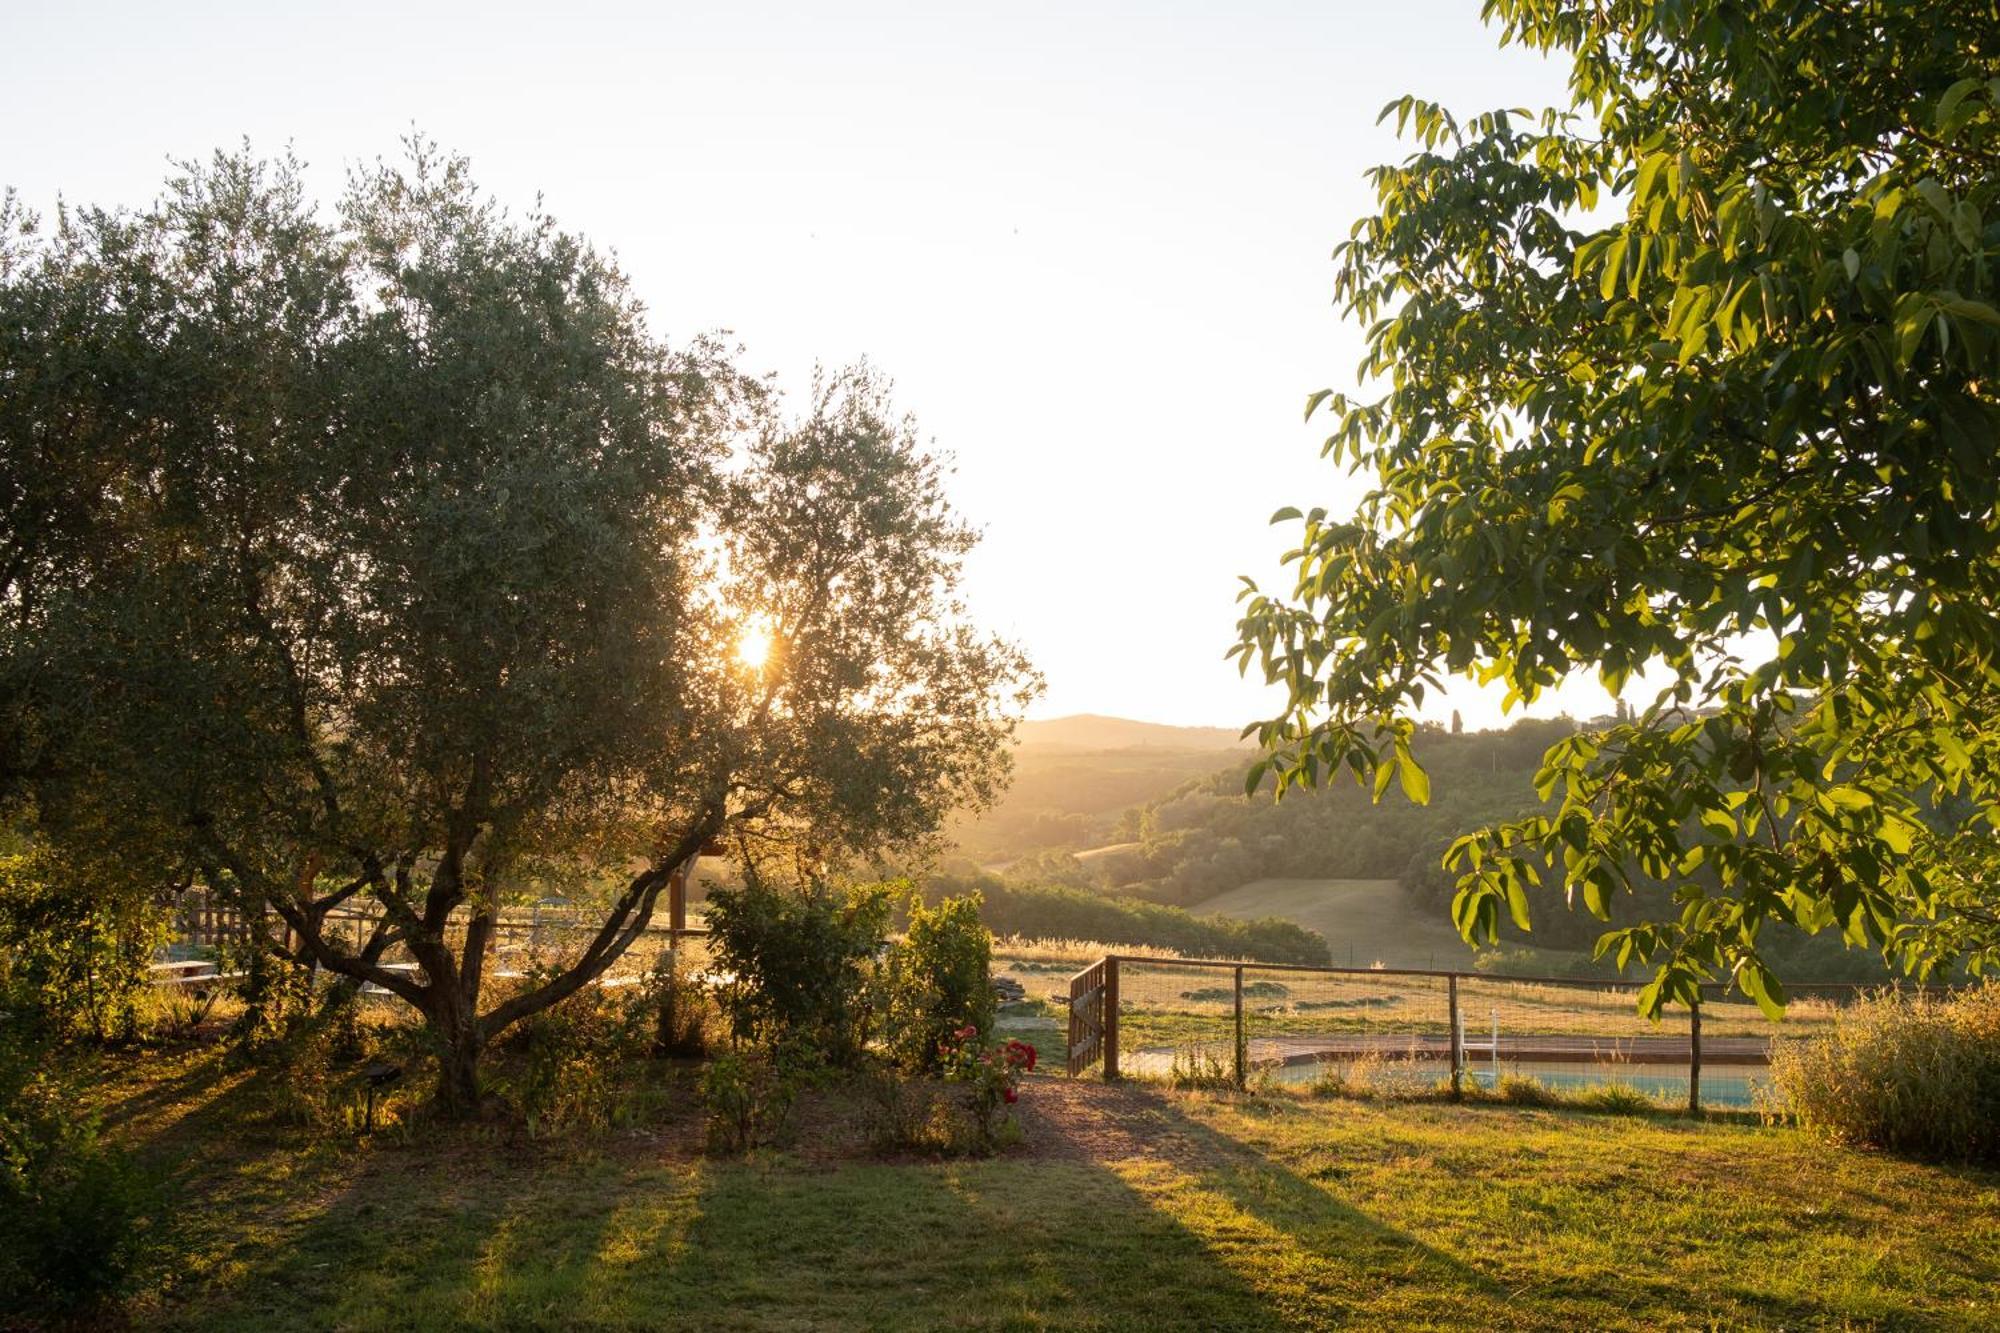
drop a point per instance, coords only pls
(1123, 1208)
(1365, 921)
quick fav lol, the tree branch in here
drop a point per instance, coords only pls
(628, 917)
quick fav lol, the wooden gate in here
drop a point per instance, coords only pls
(1093, 1018)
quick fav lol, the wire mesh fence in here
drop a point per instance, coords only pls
(525, 940)
(1202, 1021)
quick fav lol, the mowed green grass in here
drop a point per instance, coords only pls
(1128, 1208)
(1365, 921)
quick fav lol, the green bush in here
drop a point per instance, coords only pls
(1198, 1068)
(801, 962)
(277, 1001)
(749, 1096)
(1616, 1098)
(672, 1011)
(988, 1076)
(300, 1057)
(937, 980)
(570, 1051)
(903, 1113)
(1521, 1090)
(1916, 1074)
(71, 960)
(75, 1214)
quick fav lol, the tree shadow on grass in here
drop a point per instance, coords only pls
(1129, 1208)
(447, 1227)
(147, 1111)
(1319, 1260)
(1564, 1232)
(575, 1241)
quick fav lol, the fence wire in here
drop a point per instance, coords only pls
(1178, 1020)
(525, 940)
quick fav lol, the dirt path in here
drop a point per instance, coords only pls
(1086, 1120)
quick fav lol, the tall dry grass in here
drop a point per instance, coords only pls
(1916, 1074)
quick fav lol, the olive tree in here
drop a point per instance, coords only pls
(1692, 381)
(395, 563)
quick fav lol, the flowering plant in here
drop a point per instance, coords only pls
(990, 1073)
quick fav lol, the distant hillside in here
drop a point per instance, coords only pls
(1088, 731)
(1075, 776)
(1365, 922)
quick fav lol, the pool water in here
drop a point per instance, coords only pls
(1721, 1085)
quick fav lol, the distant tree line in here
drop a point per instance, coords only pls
(1049, 911)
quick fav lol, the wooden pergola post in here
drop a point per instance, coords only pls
(677, 894)
(677, 906)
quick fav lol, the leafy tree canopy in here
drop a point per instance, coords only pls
(1692, 381)
(384, 555)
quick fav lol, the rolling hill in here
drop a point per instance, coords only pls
(1075, 776)
(1364, 921)
(1090, 731)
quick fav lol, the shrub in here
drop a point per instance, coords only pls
(569, 1053)
(1616, 1098)
(673, 1011)
(72, 960)
(75, 1215)
(1916, 1074)
(749, 1096)
(937, 981)
(1198, 1069)
(177, 1013)
(300, 1057)
(1520, 1090)
(801, 962)
(277, 1000)
(903, 1112)
(989, 1073)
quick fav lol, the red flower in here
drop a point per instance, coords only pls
(1020, 1053)
(967, 1031)
(1009, 1094)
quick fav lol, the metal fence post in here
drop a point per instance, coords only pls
(1242, 1051)
(1111, 1018)
(1457, 1040)
(1694, 1055)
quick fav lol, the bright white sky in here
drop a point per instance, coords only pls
(1089, 242)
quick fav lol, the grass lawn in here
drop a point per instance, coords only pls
(1127, 1207)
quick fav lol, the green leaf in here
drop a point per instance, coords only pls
(1962, 308)
(1936, 196)
(1614, 268)
(1758, 983)
(1898, 833)
(1649, 173)
(1416, 782)
(1949, 103)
